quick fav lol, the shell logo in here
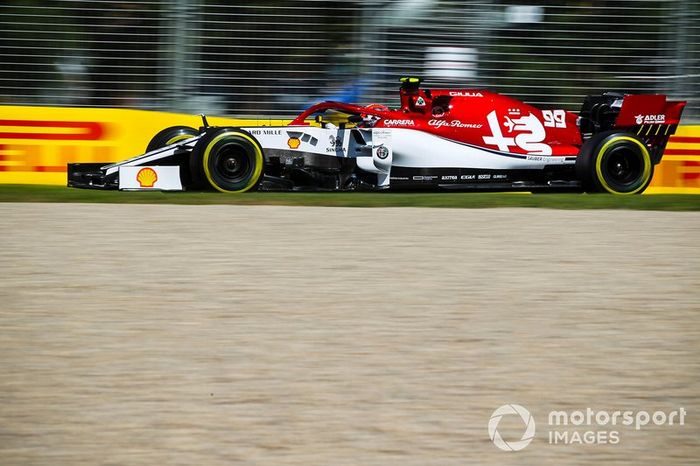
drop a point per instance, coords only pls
(293, 143)
(147, 177)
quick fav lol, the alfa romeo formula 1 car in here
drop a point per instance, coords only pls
(463, 139)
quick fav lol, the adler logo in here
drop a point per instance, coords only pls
(650, 119)
(399, 122)
(465, 94)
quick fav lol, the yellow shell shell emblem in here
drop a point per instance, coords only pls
(147, 177)
(293, 143)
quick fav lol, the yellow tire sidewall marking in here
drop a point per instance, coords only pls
(645, 155)
(178, 138)
(258, 161)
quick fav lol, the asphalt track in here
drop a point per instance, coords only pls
(140, 334)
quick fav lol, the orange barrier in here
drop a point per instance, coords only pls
(36, 143)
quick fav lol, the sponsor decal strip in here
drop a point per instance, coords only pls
(465, 94)
(399, 122)
(86, 130)
(682, 152)
(683, 148)
(684, 140)
(453, 124)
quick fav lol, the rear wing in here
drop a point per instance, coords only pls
(651, 117)
(648, 114)
(642, 114)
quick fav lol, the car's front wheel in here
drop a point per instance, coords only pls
(229, 160)
(171, 135)
(615, 162)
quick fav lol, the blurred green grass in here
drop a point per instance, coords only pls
(39, 193)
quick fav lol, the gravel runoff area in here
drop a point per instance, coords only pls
(212, 335)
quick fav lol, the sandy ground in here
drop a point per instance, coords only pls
(145, 335)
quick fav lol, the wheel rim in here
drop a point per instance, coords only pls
(624, 166)
(232, 163)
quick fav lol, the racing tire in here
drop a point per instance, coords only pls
(171, 135)
(614, 162)
(229, 160)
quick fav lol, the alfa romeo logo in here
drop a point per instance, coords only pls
(527, 419)
(382, 152)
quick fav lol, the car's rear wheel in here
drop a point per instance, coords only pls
(615, 162)
(171, 135)
(229, 160)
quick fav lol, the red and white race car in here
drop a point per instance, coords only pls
(455, 139)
